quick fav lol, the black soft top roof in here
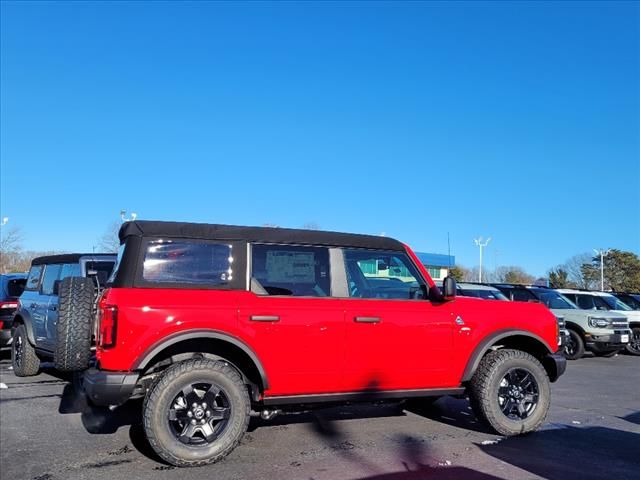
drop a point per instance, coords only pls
(204, 231)
(68, 258)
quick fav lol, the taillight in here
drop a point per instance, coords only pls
(108, 326)
(7, 305)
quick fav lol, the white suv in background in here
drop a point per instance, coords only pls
(605, 302)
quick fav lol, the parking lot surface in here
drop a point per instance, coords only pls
(593, 431)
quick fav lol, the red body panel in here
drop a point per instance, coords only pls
(316, 346)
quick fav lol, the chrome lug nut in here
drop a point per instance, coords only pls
(189, 414)
(208, 413)
(193, 422)
(204, 404)
(194, 405)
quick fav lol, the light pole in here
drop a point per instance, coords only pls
(479, 243)
(124, 219)
(603, 253)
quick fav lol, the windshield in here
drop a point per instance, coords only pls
(631, 300)
(554, 300)
(615, 303)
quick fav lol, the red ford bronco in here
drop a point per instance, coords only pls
(212, 324)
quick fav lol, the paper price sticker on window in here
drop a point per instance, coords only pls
(288, 267)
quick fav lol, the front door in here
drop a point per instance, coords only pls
(296, 326)
(396, 339)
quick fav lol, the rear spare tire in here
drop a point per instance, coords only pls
(75, 320)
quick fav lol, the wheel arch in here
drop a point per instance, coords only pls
(574, 326)
(515, 339)
(19, 319)
(212, 342)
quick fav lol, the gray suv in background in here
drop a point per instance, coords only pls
(601, 332)
(35, 322)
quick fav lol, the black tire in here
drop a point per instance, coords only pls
(609, 354)
(574, 349)
(510, 391)
(75, 324)
(169, 412)
(24, 359)
(633, 347)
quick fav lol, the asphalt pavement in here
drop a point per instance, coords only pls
(592, 432)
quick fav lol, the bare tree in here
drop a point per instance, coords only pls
(578, 272)
(110, 241)
(512, 274)
(10, 249)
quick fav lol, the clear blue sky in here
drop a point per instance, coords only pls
(516, 120)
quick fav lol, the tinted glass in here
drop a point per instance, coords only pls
(601, 304)
(169, 261)
(630, 300)
(554, 300)
(522, 295)
(481, 293)
(70, 270)
(15, 287)
(382, 274)
(33, 280)
(615, 303)
(51, 274)
(291, 270)
(102, 270)
(585, 302)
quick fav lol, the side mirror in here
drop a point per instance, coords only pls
(56, 287)
(449, 287)
(92, 273)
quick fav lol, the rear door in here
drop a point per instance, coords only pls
(294, 321)
(49, 305)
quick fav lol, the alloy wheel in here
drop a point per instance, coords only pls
(518, 394)
(199, 414)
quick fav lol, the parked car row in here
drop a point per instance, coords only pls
(212, 324)
(600, 322)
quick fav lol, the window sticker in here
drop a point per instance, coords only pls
(290, 267)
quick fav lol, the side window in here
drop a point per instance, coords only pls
(600, 303)
(70, 270)
(290, 270)
(33, 280)
(522, 296)
(382, 274)
(585, 302)
(187, 262)
(51, 274)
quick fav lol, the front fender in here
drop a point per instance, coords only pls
(24, 317)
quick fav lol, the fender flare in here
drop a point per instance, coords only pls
(159, 346)
(21, 318)
(485, 344)
(574, 326)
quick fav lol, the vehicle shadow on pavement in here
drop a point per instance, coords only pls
(632, 417)
(451, 411)
(571, 452)
(413, 455)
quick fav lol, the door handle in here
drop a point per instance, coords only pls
(368, 319)
(33, 305)
(53, 308)
(264, 318)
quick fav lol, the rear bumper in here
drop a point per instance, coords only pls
(109, 388)
(555, 364)
(5, 337)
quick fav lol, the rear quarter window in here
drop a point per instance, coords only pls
(186, 262)
(33, 280)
